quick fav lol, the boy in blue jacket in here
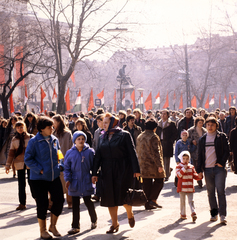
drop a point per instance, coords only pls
(77, 166)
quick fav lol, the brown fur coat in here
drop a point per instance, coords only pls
(150, 156)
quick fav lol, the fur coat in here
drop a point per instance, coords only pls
(150, 156)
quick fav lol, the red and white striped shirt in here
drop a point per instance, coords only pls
(185, 178)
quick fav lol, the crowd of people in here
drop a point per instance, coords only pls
(96, 156)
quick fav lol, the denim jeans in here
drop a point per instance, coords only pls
(215, 181)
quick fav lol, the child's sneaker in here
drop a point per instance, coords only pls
(183, 217)
(194, 217)
(214, 218)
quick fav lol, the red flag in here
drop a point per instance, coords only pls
(91, 101)
(67, 99)
(11, 104)
(207, 102)
(115, 106)
(166, 105)
(229, 100)
(181, 105)
(19, 56)
(101, 94)
(148, 102)
(133, 99)
(220, 101)
(73, 79)
(194, 102)
(225, 99)
(43, 95)
(2, 74)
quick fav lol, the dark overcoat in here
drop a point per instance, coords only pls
(233, 146)
(169, 136)
(118, 161)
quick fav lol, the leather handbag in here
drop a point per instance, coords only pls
(135, 196)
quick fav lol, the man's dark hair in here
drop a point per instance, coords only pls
(187, 109)
(129, 117)
(44, 122)
(51, 113)
(100, 111)
(212, 120)
(232, 107)
(167, 111)
(150, 124)
(91, 113)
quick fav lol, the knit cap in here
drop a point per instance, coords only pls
(184, 132)
(78, 134)
(180, 156)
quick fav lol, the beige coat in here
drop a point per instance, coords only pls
(65, 141)
(19, 160)
(150, 156)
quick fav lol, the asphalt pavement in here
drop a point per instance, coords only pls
(159, 224)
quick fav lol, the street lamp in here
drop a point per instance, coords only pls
(140, 90)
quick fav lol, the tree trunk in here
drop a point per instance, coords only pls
(61, 92)
(5, 108)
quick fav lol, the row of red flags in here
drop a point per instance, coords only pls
(147, 103)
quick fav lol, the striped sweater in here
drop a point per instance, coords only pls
(185, 178)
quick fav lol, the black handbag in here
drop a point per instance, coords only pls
(135, 196)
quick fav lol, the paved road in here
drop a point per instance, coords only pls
(157, 224)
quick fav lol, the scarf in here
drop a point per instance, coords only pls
(111, 129)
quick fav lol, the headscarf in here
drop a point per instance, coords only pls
(180, 156)
(111, 129)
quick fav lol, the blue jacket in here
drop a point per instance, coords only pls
(42, 155)
(77, 171)
(182, 146)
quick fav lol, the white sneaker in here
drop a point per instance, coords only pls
(214, 218)
(223, 220)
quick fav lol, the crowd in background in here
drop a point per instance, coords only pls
(158, 135)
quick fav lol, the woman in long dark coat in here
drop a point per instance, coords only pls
(233, 144)
(117, 158)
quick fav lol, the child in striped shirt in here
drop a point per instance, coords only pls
(186, 173)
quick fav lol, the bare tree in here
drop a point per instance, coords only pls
(72, 30)
(20, 56)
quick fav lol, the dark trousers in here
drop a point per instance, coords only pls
(21, 176)
(41, 189)
(76, 210)
(152, 187)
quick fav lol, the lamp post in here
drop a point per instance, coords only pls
(187, 77)
(140, 90)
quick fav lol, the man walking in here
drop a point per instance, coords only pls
(167, 132)
(213, 152)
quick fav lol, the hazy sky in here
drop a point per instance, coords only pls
(153, 23)
(161, 22)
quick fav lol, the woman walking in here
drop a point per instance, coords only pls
(117, 158)
(41, 157)
(65, 140)
(150, 156)
(16, 156)
(31, 123)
